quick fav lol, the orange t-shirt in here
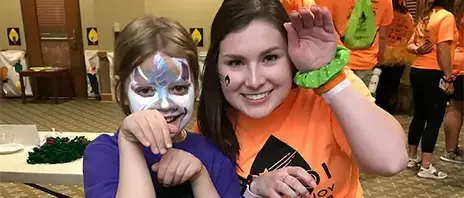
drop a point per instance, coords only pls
(441, 27)
(303, 132)
(290, 5)
(341, 10)
(398, 34)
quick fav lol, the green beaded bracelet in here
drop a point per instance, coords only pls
(316, 78)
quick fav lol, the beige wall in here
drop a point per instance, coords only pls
(10, 16)
(104, 14)
(190, 13)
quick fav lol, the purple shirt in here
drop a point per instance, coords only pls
(101, 168)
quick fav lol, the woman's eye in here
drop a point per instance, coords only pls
(269, 58)
(145, 91)
(235, 63)
(179, 90)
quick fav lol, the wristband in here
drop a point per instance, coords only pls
(335, 90)
(449, 79)
(331, 84)
(316, 78)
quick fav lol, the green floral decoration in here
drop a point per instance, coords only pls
(58, 150)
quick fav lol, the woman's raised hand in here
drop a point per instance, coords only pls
(312, 40)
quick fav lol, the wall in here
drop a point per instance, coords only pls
(10, 16)
(190, 13)
(103, 14)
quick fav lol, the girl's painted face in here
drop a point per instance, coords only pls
(163, 83)
(255, 69)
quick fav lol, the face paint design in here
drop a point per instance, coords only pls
(164, 85)
(224, 79)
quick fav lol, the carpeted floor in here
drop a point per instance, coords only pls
(93, 116)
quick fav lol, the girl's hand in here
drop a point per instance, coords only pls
(149, 128)
(178, 166)
(312, 40)
(290, 181)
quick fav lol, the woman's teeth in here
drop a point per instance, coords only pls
(257, 96)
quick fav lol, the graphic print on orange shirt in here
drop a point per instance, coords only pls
(276, 154)
(401, 29)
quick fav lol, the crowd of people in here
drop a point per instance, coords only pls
(286, 106)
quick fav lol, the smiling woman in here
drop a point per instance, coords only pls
(287, 138)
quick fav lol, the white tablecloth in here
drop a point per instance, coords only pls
(14, 168)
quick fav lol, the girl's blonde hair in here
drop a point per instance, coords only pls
(142, 38)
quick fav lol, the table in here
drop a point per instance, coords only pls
(14, 168)
(53, 73)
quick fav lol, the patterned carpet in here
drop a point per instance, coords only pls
(93, 116)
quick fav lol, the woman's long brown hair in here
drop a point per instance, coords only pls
(232, 16)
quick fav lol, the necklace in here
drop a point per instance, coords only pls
(180, 137)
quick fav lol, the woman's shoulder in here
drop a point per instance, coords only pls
(443, 13)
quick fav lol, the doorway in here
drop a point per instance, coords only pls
(54, 38)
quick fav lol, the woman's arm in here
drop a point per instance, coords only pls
(412, 47)
(376, 139)
(134, 175)
(202, 186)
(444, 57)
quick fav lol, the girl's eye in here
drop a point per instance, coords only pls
(269, 58)
(179, 90)
(145, 91)
(235, 63)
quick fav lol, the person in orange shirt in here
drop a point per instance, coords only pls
(291, 5)
(434, 41)
(395, 57)
(454, 116)
(357, 83)
(362, 61)
(267, 102)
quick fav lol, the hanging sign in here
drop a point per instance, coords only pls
(92, 36)
(197, 36)
(13, 36)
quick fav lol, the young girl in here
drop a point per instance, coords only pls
(158, 68)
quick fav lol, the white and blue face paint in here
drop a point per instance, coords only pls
(165, 85)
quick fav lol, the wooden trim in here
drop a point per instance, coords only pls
(31, 32)
(76, 47)
(106, 97)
